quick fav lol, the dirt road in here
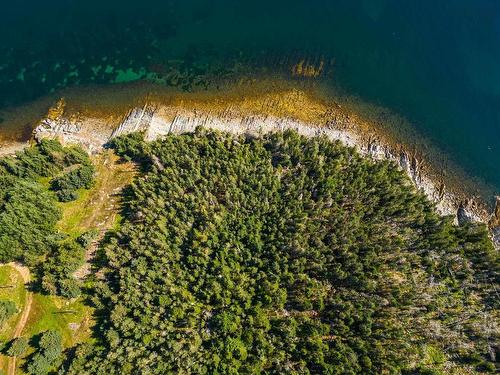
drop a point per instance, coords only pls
(25, 273)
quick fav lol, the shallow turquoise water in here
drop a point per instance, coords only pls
(437, 63)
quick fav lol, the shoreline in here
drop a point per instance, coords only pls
(256, 113)
(316, 103)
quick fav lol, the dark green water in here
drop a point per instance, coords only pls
(435, 62)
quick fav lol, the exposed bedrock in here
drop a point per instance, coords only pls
(494, 224)
(157, 121)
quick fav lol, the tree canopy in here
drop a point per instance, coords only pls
(28, 209)
(284, 254)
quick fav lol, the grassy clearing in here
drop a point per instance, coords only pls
(96, 208)
(11, 288)
(70, 317)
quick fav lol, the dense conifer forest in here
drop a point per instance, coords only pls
(31, 184)
(278, 255)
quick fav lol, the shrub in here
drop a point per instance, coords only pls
(38, 364)
(66, 185)
(18, 346)
(7, 309)
(85, 239)
(51, 345)
(55, 275)
(48, 353)
(69, 288)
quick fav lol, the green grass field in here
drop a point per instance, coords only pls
(70, 317)
(11, 288)
(96, 208)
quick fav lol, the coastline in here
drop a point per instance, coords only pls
(255, 113)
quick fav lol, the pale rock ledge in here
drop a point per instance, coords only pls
(157, 121)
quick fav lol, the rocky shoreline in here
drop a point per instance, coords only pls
(158, 120)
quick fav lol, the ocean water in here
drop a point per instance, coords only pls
(434, 62)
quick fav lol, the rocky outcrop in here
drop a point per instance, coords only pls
(157, 121)
(59, 127)
(494, 224)
(90, 133)
(465, 212)
(138, 119)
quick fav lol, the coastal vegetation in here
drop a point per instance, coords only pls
(28, 209)
(32, 185)
(232, 255)
(7, 309)
(48, 351)
(284, 254)
(13, 293)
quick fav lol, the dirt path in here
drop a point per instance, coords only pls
(25, 273)
(100, 208)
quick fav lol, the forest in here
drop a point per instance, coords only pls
(276, 255)
(28, 207)
(32, 185)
